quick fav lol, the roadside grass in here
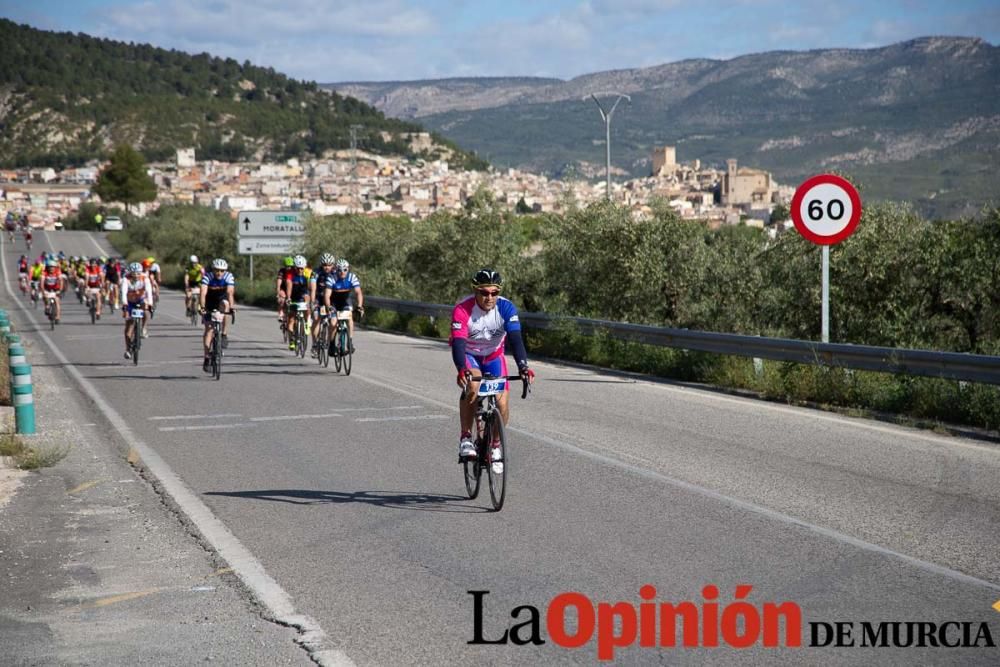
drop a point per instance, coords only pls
(31, 457)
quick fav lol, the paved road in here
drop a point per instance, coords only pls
(346, 492)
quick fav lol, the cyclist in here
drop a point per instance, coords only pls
(112, 277)
(27, 237)
(138, 294)
(318, 282)
(339, 289)
(35, 273)
(22, 273)
(154, 278)
(218, 292)
(297, 289)
(53, 281)
(93, 278)
(481, 325)
(192, 279)
(285, 271)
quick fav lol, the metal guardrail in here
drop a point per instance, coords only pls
(949, 365)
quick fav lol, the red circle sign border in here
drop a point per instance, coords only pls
(800, 194)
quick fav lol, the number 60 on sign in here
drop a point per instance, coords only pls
(826, 209)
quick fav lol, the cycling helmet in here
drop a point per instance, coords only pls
(486, 277)
(93, 260)
(289, 261)
(145, 263)
(62, 255)
(326, 258)
(135, 267)
(342, 265)
(219, 264)
(193, 259)
(50, 264)
(151, 259)
(300, 262)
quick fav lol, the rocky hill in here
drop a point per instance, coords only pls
(916, 121)
(68, 98)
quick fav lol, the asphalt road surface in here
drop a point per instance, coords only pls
(346, 495)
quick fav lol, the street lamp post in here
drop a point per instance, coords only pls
(606, 116)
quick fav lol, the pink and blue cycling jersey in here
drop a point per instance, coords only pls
(478, 336)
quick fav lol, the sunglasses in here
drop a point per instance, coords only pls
(488, 292)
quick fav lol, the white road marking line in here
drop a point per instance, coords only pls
(399, 419)
(311, 635)
(202, 427)
(282, 418)
(222, 416)
(400, 407)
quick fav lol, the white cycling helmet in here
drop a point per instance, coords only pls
(135, 267)
(342, 265)
(219, 264)
(326, 258)
(193, 259)
(300, 262)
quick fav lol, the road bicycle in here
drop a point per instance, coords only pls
(215, 352)
(135, 340)
(492, 451)
(342, 347)
(192, 307)
(34, 294)
(50, 311)
(323, 341)
(300, 331)
(92, 306)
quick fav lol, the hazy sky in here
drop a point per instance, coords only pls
(361, 40)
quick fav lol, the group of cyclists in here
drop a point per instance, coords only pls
(482, 323)
(17, 221)
(95, 279)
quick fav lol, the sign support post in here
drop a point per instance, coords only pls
(826, 210)
(825, 316)
(251, 274)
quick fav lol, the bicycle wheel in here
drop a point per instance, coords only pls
(301, 339)
(52, 316)
(338, 356)
(93, 312)
(322, 347)
(217, 355)
(345, 346)
(473, 472)
(134, 344)
(498, 467)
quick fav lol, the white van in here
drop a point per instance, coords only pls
(113, 223)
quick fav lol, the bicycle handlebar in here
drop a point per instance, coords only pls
(526, 386)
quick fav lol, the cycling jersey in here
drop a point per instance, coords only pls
(94, 278)
(36, 271)
(484, 331)
(22, 266)
(52, 282)
(216, 288)
(343, 289)
(319, 278)
(300, 284)
(195, 274)
(137, 290)
(285, 273)
(111, 272)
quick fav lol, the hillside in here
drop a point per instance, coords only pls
(67, 98)
(916, 121)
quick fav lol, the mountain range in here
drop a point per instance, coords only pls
(916, 121)
(69, 98)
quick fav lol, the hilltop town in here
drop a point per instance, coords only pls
(352, 181)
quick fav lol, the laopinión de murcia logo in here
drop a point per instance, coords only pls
(572, 620)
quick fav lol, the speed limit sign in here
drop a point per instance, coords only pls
(826, 209)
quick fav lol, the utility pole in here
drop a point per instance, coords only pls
(354, 149)
(606, 116)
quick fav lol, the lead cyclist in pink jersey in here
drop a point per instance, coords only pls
(481, 325)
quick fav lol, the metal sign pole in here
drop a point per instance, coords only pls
(826, 294)
(251, 275)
